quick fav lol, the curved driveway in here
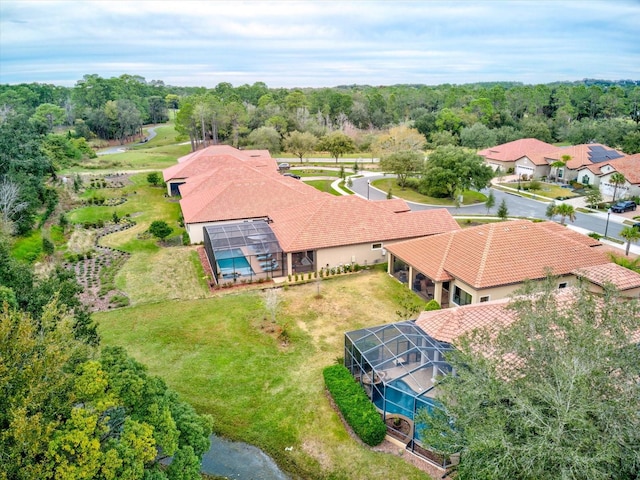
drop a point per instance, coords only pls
(151, 132)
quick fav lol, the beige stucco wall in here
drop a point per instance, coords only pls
(594, 180)
(497, 293)
(196, 234)
(538, 170)
(630, 293)
(362, 254)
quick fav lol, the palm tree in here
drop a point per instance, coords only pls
(558, 164)
(630, 234)
(631, 264)
(616, 180)
(565, 210)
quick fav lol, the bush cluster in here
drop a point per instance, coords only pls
(356, 408)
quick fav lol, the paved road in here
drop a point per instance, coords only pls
(151, 132)
(518, 207)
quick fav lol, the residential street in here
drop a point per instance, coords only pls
(518, 207)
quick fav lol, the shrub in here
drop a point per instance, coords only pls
(356, 408)
(595, 235)
(185, 238)
(47, 246)
(432, 305)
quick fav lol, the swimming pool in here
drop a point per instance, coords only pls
(233, 262)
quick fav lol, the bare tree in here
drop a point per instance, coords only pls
(271, 298)
(10, 203)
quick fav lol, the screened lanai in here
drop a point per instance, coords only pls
(243, 251)
(397, 365)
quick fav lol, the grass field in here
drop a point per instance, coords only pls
(226, 357)
(144, 205)
(323, 186)
(470, 197)
(548, 190)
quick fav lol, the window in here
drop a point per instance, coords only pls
(562, 285)
(484, 299)
(460, 297)
(585, 180)
(376, 246)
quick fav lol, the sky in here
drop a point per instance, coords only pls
(320, 43)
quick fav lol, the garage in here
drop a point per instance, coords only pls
(521, 171)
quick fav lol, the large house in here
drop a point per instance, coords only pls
(521, 157)
(599, 175)
(532, 158)
(255, 222)
(492, 261)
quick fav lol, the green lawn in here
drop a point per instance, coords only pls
(470, 197)
(323, 186)
(226, 357)
(144, 205)
(548, 190)
(314, 172)
(155, 158)
(165, 135)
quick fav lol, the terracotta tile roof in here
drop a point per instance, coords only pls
(209, 199)
(348, 220)
(396, 205)
(570, 234)
(581, 155)
(449, 324)
(501, 253)
(219, 156)
(622, 278)
(629, 166)
(532, 148)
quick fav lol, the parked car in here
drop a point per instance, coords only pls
(625, 206)
(292, 175)
(284, 166)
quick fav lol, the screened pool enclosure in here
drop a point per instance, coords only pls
(397, 364)
(243, 251)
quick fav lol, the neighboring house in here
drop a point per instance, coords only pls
(580, 157)
(533, 158)
(521, 157)
(626, 282)
(398, 364)
(491, 261)
(206, 161)
(334, 230)
(599, 175)
(222, 195)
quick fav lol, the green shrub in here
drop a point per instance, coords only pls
(432, 305)
(356, 408)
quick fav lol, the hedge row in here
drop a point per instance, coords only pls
(356, 408)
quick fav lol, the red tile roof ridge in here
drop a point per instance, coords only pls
(485, 255)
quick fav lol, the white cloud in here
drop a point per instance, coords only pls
(319, 43)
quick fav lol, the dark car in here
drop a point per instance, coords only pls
(626, 206)
(292, 175)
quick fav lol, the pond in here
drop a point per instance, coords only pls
(238, 460)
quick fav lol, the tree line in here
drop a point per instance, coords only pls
(470, 115)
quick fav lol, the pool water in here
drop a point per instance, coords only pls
(233, 260)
